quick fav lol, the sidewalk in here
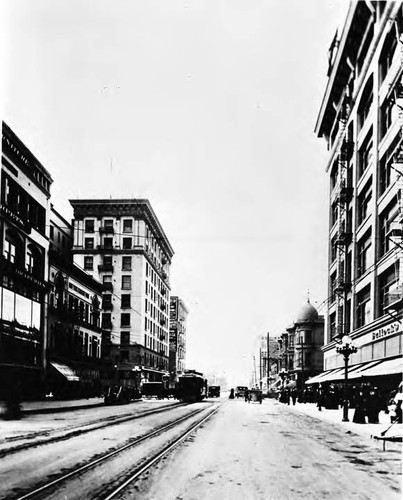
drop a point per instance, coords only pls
(335, 417)
(56, 406)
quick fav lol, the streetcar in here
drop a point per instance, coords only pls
(191, 387)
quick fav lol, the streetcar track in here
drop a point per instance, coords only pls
(161, 454)
(75, 472)
(84, 429)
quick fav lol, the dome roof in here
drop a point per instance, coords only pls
(307, 313)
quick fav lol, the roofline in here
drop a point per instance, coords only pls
(128, 201)
(330, 82)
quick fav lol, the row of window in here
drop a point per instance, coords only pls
(387, 286)
(108, 224)
(107, 263)
(107, 243)
(365, 252)
(20, 203)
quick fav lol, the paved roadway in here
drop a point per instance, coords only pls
(273, 452)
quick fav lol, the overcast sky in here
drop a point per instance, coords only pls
(207, 108)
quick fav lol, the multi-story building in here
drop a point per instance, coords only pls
(74, 331)
(122, 244)
(300, 347)
(361, 119)
(24, 216)
(177, 338)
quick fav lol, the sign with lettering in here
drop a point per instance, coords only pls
(386, 331)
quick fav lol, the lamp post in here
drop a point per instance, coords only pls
(346, 348)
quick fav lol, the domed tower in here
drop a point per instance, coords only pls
(306, 336)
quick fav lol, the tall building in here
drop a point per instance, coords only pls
(122, 244)
(177, 337)
(24, 216)
(360, 118)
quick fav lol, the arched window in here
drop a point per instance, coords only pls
(34, 261)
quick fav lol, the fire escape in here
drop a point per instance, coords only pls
(394, 297)
(344, 193)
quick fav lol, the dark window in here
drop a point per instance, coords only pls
(126, 282)
(363, 309)
(107, 260)
(125, 319)
(106, 301)
(127, 225)
(106, 318)
(334, 214)
(364, 199)
(89, 243)
(387, 283)
(107, 278)
(333, 251)
(365, 154)
(125, 300)
(386, 172)
(108, 242)
(364, 253)
(332, 287)
(51, 232)
(108, 223)
(88, 263)
(385, 117)
(388, 51)
(89, 226)
(127, 243)
(124, 356)
(386, 217)
(126, 263)
(365, 104)
(125, 338)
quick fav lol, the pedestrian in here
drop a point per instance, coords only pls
(360, 409)
(373, 407)
(246, 395)
(294, 396)
(231, 394)
(320, 398)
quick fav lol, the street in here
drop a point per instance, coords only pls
(244, 451)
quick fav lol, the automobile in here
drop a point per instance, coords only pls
(214, 391)
(240, 391)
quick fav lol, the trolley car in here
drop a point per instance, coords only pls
(191, 387)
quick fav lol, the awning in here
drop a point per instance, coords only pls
(369, 369)
(66, 371)
(386, 367)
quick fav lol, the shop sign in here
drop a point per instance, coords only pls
(386, 331)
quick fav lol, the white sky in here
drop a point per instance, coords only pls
(207, 108)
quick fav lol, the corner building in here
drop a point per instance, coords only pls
(122, 244)
(361, 119)
(24, 216)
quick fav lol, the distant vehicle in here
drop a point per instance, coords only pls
(255, 395)
(240, 391)
(214, 391)
(154, 390)
(191, 387)
(120, 394)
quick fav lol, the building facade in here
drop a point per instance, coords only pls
(178, 314)
(361, 120)
(24, 218)
(122, 244)
(74, 364)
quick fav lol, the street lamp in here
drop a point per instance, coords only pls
(346, 348)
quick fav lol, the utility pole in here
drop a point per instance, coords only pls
(260, 368)
(268, 360)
